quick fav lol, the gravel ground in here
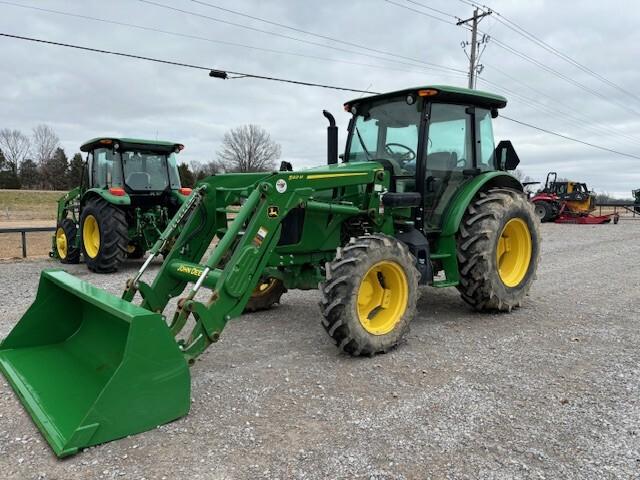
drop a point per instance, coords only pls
(548, 391)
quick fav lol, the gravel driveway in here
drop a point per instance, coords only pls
(548, 391)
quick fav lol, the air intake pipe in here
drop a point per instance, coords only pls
(332, 139)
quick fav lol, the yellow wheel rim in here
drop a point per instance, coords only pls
(61, 243)
(91, 236)
(264, 287)
(513, 253)
(382, 297)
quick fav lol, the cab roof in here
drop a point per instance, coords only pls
(443, 93)
(160, 146)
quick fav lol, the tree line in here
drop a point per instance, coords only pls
(37, 161)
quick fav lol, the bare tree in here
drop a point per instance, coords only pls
(45, 142)
(248, 148)
(15, 148)
(203, 170)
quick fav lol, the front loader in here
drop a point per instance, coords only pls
(422, 197)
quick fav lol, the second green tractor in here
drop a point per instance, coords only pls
(422, 197)
(129, 191)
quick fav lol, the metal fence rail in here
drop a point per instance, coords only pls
(23, 233)
(628, 207)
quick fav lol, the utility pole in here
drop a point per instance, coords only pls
(474, 57)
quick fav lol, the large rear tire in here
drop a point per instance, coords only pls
(66, 249)
(369, 296)
(498, 250)
(104, 235)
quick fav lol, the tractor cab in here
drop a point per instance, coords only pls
(432, 140)
(132, 167)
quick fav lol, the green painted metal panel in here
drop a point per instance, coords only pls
(459, 203)
(90, 367)
(450, 93)
(104, 193)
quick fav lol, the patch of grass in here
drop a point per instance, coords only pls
(28, 204)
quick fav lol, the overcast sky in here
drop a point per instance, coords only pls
(83, 95)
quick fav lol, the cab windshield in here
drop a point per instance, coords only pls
(387, 130)
(144, 171)
(140, 171)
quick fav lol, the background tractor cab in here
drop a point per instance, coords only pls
(130, 189)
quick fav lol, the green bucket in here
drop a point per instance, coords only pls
(90, 367)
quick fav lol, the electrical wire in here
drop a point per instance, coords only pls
(306, 32)
(582, 121)
(406, 7)
(277, 79)
(220, 42)
(566, 137)
(562, 76)
(289, 37)
(181, 64)
(446, 14)
(507, 22)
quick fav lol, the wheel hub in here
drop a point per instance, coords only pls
(382, 297)
(513, 252)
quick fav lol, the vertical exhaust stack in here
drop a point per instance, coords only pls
(332, 139)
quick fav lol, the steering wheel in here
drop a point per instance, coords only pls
(406, 156)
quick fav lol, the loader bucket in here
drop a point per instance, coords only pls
(90, 367)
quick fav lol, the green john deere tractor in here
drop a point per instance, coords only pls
(422, 197)
(130, 189)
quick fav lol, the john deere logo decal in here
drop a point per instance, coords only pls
(272, 212)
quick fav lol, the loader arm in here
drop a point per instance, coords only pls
(245, 244)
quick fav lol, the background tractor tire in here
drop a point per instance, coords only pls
(66, 233)
(104, 235)
(265, 295)
(369, 295)
(544, 211)
(498, 245)
(135, 251)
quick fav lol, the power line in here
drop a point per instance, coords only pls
(181, 64)
(406, 7)
(219, 73)
(446, 14)
(551, 49)
(562, 76)
(307, 32)
(211, 40)
(566, 137)
(309, 42)
(580, 120)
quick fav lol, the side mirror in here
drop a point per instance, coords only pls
(506, 156)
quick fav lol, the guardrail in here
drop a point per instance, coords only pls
(628, 207)
(23, 232)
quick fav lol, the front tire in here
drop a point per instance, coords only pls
(66, 249)
(104, 236)
(498, 250)
(369, 296)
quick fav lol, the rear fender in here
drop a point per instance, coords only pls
(122, 200)
(459, 203)
(446, 246)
